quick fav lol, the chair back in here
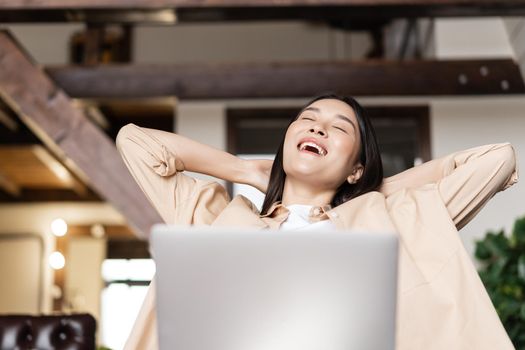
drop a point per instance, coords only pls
(71, 332)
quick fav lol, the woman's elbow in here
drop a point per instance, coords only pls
(508, 155)
(125, 135)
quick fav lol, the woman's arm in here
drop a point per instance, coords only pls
(200, 158)
(193, 156)
(437, 169)
(466, 180)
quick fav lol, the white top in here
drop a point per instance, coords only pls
(298, 220)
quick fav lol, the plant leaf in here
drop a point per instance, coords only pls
(482, 252)
(503, 274)
(521, 267)
(522, 311)
(498, 244)
(518, 231)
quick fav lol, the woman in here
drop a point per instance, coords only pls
(328, 174)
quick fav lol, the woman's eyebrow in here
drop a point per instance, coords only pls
(340, 116)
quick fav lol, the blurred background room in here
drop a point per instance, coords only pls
(435, 76)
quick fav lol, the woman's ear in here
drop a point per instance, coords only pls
(356, 174)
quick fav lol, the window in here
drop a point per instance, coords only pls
(127, 282)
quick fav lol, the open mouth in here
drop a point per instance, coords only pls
(312, 147)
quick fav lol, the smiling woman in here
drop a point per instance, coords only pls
(328, 172)
(350, 163)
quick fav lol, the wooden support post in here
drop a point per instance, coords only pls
(66, 131)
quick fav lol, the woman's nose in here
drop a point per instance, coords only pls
(318, 130)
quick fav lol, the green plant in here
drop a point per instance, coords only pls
(503, 274)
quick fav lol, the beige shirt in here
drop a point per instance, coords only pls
(442, 303)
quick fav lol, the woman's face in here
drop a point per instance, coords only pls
(322, 146)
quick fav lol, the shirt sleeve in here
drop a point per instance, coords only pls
(152, 160)
(466, 180)
(473, 177)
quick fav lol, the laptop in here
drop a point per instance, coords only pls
(231, 289)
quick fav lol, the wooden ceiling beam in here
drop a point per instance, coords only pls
(9, 186)
(18, 135)
(7, 121)
(60, 171)
(354, 16)
(156, 4)
(12, 131)
(353, 13)
(292, 79)
(169, 12)
(39, 195)
(122, 232)
(66, 131)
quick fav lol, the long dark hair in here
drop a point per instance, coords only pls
(369, 157)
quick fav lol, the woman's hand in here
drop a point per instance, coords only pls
(258, 173)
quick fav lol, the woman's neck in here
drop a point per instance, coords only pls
(296, 192)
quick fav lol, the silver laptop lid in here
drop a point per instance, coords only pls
(220, 289)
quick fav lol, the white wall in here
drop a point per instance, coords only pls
(36, 219)
(21, 270)
(46, 43)
(204, 122)
(207, 42)
(484, 37)
(516, 32)
(245, 41)
(83, 280)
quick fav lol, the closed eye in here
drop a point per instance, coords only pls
(343, 130)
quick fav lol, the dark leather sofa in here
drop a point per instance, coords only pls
(61, 332)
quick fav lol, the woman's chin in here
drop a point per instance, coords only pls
(302, 170)
(309, 176)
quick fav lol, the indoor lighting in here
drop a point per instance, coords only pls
(57, 260)
(59, 227)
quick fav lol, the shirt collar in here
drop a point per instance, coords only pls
(275, 209)
(317, 213)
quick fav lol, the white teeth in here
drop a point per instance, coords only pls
(319, 149)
